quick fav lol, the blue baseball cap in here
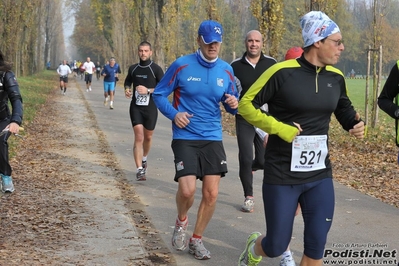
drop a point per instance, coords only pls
(210, 31)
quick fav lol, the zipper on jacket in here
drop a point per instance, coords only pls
(318, 69)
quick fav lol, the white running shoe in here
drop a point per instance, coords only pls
(179, 240)
(196, 248)
(287, 261)
(248, 205)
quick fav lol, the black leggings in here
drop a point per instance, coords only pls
(5, 167)
(247, 139)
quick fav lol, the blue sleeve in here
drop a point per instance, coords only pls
(232, 90)
(164, 88)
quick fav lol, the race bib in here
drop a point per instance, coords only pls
(142, 99)
(309, 153)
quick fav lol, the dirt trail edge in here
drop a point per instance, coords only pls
(73, 205)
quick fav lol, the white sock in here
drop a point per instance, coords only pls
(252, 250)
(286, 253)
(111, 102)
(144, 158)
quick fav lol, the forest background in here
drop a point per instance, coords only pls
(32, 31)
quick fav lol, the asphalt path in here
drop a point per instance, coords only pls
(361, 223)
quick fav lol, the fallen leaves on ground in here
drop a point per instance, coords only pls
(41, 220)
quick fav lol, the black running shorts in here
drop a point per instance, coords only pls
(199, 158)
(143, 115)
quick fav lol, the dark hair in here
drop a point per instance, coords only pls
(145, 43)
(4, 66)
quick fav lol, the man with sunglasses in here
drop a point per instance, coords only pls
(200, 82)
(301, 95)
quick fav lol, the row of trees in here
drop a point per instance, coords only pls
(31, 33)
(107, 28)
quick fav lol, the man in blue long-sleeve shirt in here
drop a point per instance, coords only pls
(199, 82)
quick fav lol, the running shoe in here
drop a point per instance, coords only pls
(111, 106)
(246, 258)
(90, 88)
(196, 248)
(287, 261)
(140, 175)
(248, 205)
(6, 184)
(179, 240)
(144, 165)
(105, 101)
(87, 90)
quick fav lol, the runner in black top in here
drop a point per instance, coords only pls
(144, 76)
(10, 120)
(98, 70)
(301, 95)
(388, 99)
(247, 69)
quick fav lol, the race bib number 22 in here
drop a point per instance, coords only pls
(309, 153)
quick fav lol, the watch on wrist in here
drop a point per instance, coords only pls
(148, 91)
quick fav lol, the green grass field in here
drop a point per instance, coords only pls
(384, 129)
(34, 90)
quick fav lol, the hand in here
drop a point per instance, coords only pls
(141, 89)
(13, 128)
(299, 130)
(231, 101)
(182, 119)
(358, 130)
(128, 93)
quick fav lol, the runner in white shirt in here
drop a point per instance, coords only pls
(63, 70)
(89, 68)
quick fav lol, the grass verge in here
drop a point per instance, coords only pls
(34, 90)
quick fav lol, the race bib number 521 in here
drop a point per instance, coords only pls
(309, 153)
